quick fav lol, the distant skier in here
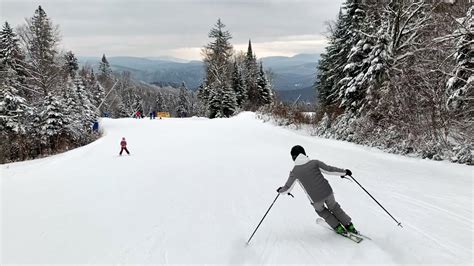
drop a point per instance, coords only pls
(308, 173)
(123, 144)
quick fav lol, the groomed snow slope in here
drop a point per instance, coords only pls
(194, 190)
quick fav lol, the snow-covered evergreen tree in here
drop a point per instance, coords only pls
(40, 37)
(229, 102)
(78, 108)
(11, 55)
(88, 110)
(352, 90)
(183, 102)
(265, 94)
(221, 100)
(13, 107)
(72, 109)
(53, 122)
(71, 65)
(238, 84)
(93, 86)
(331, 64)
(214, 102)
(250, 75)
(203, 93)
(119, 108)
(105, 71)
(160, 103)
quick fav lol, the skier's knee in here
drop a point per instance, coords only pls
(334, 206)
(324, 213)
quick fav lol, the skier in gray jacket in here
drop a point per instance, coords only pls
(308, 173)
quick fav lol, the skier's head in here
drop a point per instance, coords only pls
(123, 138)
(297, 150)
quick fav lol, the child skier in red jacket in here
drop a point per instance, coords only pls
(123, 144)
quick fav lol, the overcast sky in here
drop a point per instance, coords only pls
(179, 28)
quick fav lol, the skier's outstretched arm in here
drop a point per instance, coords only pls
(288, 185)
(331, 170)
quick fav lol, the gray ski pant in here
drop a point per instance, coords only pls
(333, 213)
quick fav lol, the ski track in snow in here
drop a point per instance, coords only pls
(193, 190)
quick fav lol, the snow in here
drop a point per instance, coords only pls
(193, 191)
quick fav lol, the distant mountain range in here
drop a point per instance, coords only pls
(291, 76)
(153, 70)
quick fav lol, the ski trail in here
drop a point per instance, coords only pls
(439, 242)
(449, 214)
(194, 191)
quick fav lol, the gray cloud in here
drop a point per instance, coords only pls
(180, 28)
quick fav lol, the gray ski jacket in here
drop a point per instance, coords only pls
(308, 173)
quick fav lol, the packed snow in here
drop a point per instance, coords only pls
(193, 190)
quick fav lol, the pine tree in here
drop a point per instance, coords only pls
(11, 55)
(105, 72)
(98, 94)
(203, 93)
(88, 110)
(160, 103)
(238, 85)
(352, 90)
(72, 109)
(13, 107)
(106, 80)
(229, 102)
(331, 64)
(183, 103)
(41, 38)
(53, 121)
(251, 73)
(71, 65)
(12, 58)
(218, 73)
(264, 92)
(214, 103)
(93, 86)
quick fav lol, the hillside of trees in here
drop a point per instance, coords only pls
(49, 105)
(233, 81)
(399, 75)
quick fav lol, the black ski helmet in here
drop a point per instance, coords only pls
(297, 150)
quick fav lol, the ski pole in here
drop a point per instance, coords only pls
(398, 223)
(263, 218)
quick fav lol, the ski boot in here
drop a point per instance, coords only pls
(340, 229)
(350, 228)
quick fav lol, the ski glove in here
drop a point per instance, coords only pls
(348, 172)
(278, 189)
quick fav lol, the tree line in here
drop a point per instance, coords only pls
(233, 81)
(399, 75)
(48, 104)
(126, 96)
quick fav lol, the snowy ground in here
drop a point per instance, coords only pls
(194, 190)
